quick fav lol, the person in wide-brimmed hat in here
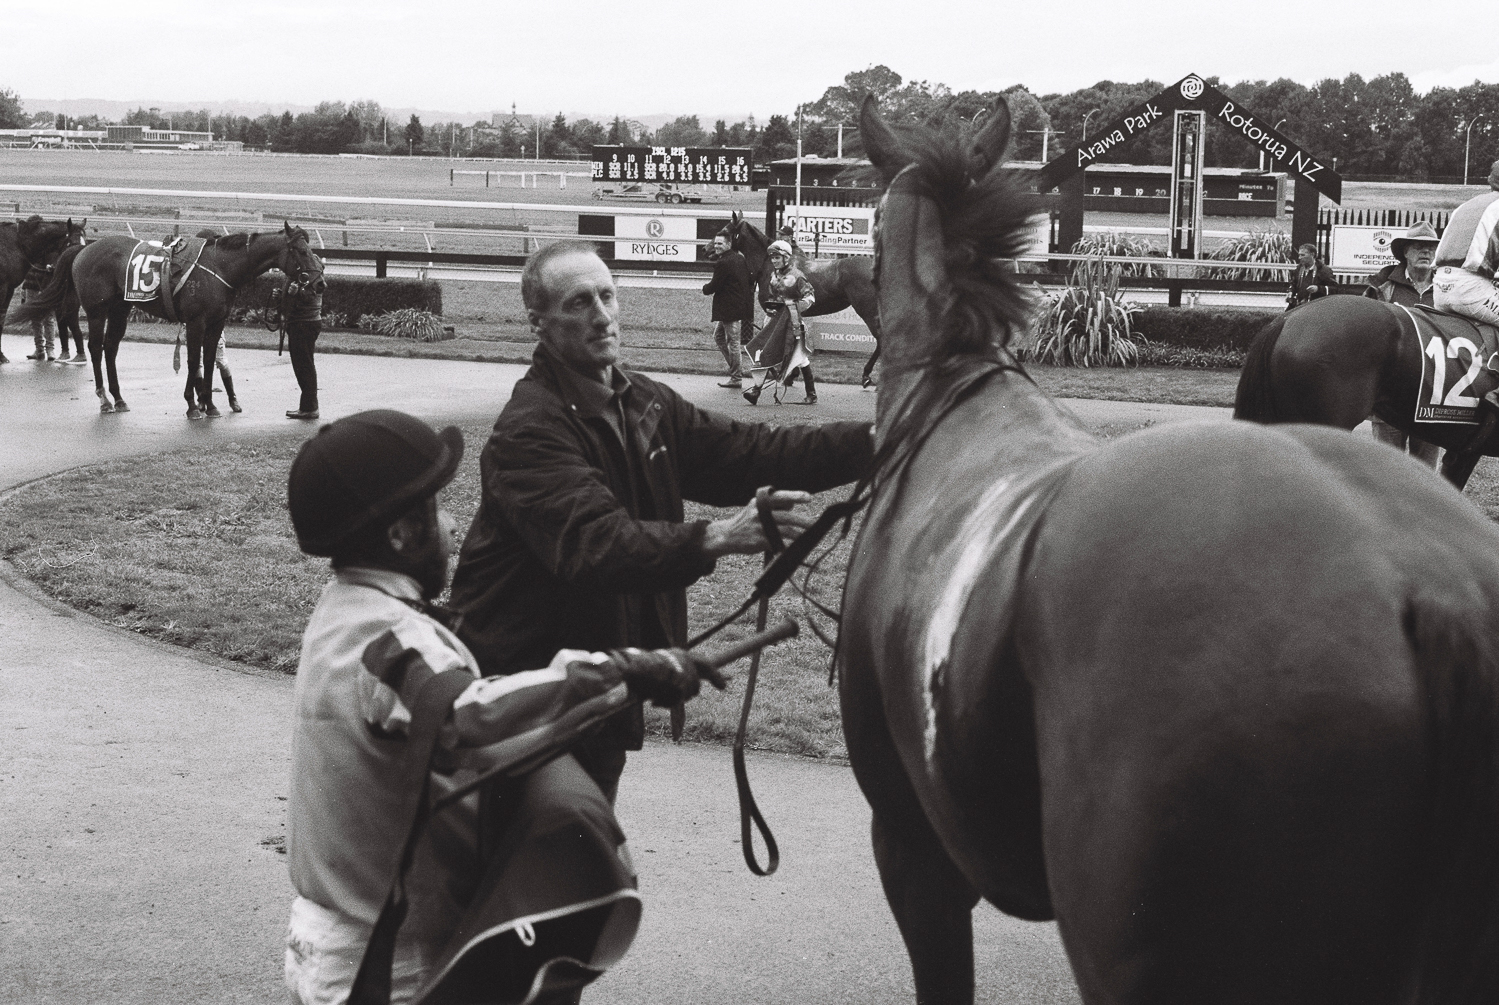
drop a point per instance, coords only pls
(1407, 282)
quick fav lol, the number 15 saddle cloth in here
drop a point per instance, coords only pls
(153, 267)
(1457, 360)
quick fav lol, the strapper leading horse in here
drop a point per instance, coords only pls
(1338, 360)
(837, 283)
(1220, 698)
(98, 273)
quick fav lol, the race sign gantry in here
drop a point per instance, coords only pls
(1195, 94)
(682, 165)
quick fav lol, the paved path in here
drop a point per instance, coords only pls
(142, 787)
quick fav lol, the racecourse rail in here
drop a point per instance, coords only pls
(1179, 283)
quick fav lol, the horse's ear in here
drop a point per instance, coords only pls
(987, 148)
(881, 144)
(286, 226)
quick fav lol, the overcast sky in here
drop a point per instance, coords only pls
(706, 57)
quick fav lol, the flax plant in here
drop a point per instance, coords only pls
(1088, 324)
(1119, 244)
(1254, 246)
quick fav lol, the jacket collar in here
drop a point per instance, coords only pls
(588, 398)
(394, 584)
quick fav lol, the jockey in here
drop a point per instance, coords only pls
(790, 290)
(1465, 265)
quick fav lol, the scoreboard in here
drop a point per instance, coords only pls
(683, 165)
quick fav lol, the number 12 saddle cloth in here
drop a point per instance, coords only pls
(153, 267)
(1457, 363)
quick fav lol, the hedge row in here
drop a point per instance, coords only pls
(1202, 327)
(348, 298)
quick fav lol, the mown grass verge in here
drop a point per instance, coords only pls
(196, 549)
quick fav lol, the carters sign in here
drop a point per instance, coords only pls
(836, 229)
(1192, 92)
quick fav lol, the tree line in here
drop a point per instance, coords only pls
(1378, 128)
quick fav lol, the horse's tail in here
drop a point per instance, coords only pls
(1459, 664)
(1255, 398)
(49, 298)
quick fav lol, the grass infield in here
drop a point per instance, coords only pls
(196, 549)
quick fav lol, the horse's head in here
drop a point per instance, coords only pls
(745, 238)
(77, 233)
(949, 220)
(298, 261)
(38, 239)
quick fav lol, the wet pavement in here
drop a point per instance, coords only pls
(143, 786)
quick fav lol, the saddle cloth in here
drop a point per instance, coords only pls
(151, 262)
(1454, 354)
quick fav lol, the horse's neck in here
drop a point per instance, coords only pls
(242, 265)
(1023, 425)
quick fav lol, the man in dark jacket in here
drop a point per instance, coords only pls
(1312, 280)
(1407, 282)
(732, 303)
(580, 534)
(303, 316)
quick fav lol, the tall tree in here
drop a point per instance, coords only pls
(414, 134)
(12, 116)
(683, 131)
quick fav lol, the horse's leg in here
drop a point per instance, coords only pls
(119, 316)
(191, 389)
(97, 318)
(931, 900)
(209, 339)
(5, 294)
(874, 357)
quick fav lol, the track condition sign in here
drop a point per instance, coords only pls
(683, 165)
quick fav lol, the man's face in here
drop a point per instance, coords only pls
(1306, 258)
(779, 261)
(581, 322)
(720, 245)
(1420, 256)
(425, 543)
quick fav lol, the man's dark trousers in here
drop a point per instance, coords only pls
(301, 338)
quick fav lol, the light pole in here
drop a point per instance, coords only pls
(1085, 121)
(1262, 152)
(1467, 142)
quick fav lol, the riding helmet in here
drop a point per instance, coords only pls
(363, 470)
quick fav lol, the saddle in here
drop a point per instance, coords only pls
(154, 267)
(1458, 363)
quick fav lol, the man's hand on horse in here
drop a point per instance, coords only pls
(744, 533)
(665, 677)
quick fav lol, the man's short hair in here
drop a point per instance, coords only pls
(1307, 247)
(533, 291)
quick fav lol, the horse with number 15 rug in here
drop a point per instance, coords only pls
(115, 273)
(1220, 698)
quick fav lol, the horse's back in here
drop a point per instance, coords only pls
(1231, 710)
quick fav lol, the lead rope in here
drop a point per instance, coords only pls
(749, 812)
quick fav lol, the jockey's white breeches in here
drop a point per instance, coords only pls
(1459, 291)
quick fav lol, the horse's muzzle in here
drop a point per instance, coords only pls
(319, 286)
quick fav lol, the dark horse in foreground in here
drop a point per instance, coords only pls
(836, 283)
(1338, 360)
(1220, 698)
(97, 273)
(22, 245)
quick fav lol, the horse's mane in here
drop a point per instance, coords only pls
(985, 225)
(227, 242)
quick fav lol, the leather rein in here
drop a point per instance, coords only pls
(908, 431)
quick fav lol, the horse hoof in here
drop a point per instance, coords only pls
(212, 412)
(193, 413)
(120, 406)
(105, 407)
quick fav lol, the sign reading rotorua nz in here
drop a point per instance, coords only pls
(1192, 92)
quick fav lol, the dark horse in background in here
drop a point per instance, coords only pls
(836, 283)
(97, 273)
(23, 245)
(1220, 698)
(1338, 360)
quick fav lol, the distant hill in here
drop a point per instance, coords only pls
(116, 110)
